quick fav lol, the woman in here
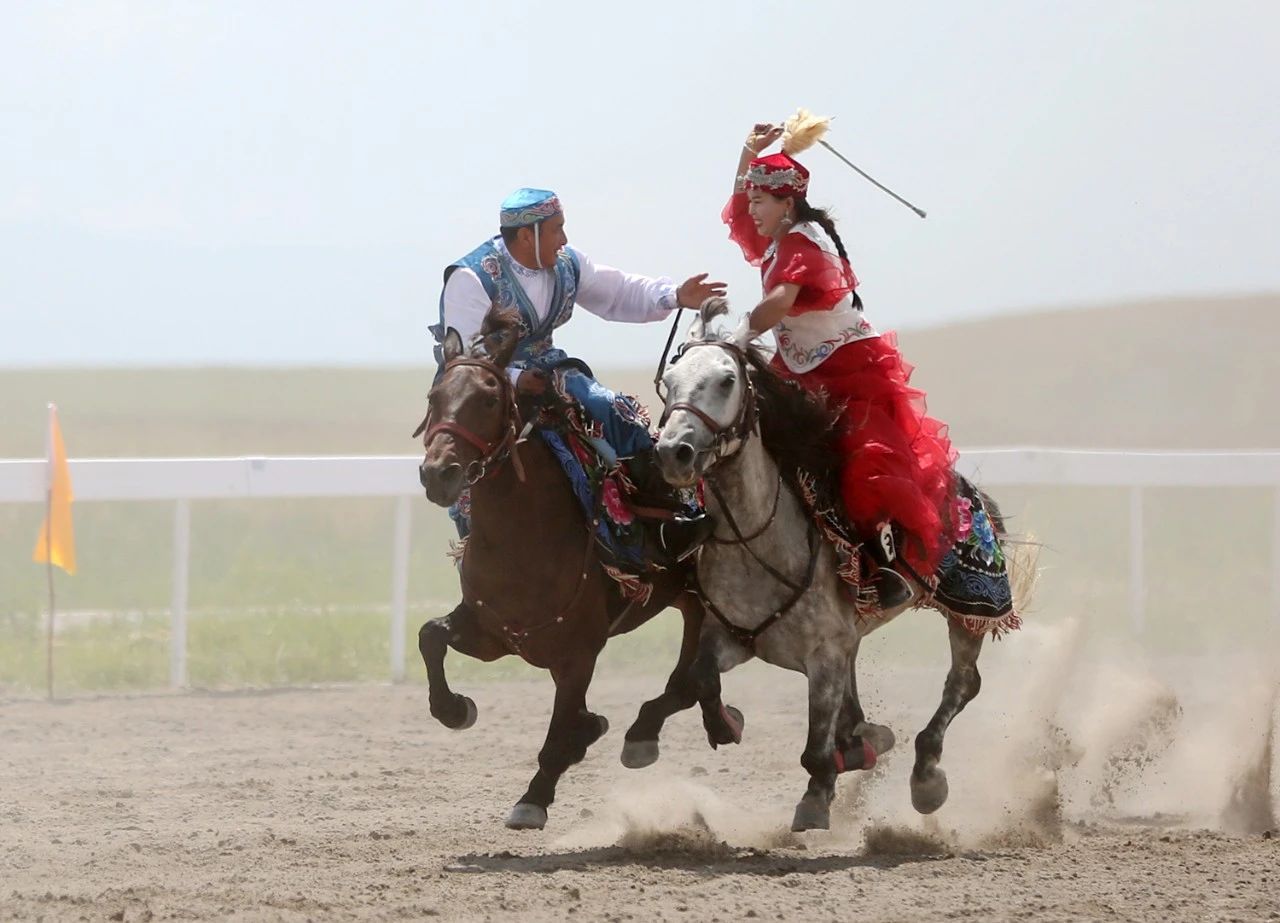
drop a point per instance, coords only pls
(896, 479)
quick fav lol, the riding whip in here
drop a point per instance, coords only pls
(804, 129)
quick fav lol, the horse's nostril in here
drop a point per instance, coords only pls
(451, 476)
(422, 475)
(684, 454)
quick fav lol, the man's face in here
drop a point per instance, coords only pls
(551, 239)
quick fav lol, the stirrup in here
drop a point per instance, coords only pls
(680, 536)
(892, 589)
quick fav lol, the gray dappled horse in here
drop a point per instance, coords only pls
(769, 578)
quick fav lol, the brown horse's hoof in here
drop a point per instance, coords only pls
(725, 727)
(525, 816)
(637, 754)
(736, 722)
(466, 719)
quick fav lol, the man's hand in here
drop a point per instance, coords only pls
(762, 135)
(696, 290)
(532, 382)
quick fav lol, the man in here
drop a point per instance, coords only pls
(530, 269)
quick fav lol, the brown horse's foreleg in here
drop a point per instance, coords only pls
(718, 653)
(458, 630)
(928, 781)
(572, 730)
(641, 746)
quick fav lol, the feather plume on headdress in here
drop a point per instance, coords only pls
(802, 131)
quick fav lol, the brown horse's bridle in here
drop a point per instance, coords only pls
(492, 453)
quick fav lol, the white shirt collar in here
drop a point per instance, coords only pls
(520, 268)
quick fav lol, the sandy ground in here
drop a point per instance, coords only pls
(1079, 791)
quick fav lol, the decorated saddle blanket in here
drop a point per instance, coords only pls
(972, 584)
(587, 439)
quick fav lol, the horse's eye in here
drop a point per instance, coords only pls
(728, 381)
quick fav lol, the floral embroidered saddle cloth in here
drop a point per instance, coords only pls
(601, 484)
(972, 583)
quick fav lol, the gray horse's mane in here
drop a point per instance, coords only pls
(797, 426)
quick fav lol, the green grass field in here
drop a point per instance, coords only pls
(285, 592)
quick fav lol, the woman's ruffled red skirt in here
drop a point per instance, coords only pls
(897, 459)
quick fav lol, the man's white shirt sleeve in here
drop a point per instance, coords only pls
(622, 296)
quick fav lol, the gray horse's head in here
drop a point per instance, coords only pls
(705, 388)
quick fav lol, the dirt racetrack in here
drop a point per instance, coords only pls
(1079, 791)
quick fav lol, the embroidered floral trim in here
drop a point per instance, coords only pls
(775, 179)
(802, 358)
(530, 214)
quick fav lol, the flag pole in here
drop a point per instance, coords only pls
(48, 551)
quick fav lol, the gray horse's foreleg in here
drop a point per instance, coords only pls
(928, 781)
(718, 653)
(458, 630)
(822, 759)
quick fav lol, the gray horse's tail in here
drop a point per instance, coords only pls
(1022, 556)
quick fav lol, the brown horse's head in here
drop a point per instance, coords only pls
(471, 422)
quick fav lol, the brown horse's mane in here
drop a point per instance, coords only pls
(796, 425)
(501, 323)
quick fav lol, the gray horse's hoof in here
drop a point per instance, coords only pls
(470, 713)
(637, 754)
(811, 814)
(879, 736)
(930, 792)
(525, 816)
(603, 724)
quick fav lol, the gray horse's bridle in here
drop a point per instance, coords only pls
(740, 430)
(745, 421)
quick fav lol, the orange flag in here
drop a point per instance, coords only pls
(57, 543)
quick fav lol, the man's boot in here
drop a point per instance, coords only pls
(675, 532)
(892, 588)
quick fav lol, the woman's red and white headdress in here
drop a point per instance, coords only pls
(781, 174)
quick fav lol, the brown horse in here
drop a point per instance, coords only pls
(531, 585)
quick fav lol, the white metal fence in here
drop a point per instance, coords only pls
(185, 479)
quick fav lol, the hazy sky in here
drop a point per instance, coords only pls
(231, 182)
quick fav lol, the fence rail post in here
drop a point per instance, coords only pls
(399, 586)
(178, 607)
(1137, 576)
(1275, 557)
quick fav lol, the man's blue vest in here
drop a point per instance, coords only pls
(493, 267)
